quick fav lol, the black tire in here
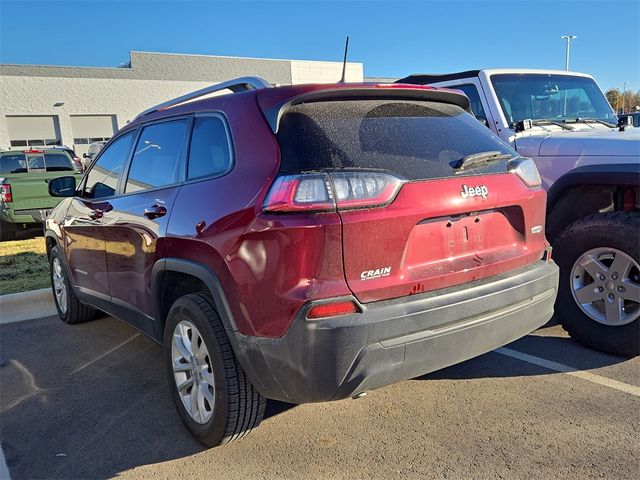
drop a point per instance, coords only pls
(238, 407)
(74, 311)
(7, 231)
(618, 230)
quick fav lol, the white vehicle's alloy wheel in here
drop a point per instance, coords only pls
(605, 284)
(192, 372)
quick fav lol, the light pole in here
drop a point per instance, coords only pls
(568, 38)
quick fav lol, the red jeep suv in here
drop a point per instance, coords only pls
(304, 243)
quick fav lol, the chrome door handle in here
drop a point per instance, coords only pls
(155, 211)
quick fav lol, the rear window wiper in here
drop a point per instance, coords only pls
(475, 159)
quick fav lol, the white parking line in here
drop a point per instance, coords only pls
(560, 367)
(4, 470)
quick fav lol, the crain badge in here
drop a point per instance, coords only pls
(377, 273)
(478, 191)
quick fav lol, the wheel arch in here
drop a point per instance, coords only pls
(208, 281)
(588, 190)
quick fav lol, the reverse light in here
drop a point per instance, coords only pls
(5, 193)
(526, 170)
(323, 192)
(332, 309)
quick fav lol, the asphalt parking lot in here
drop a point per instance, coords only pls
(90, 401)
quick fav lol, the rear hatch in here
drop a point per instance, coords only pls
(414, 220)
(28, 173)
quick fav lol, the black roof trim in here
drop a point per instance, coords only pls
(427, 78)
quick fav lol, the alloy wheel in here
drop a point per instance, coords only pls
(192, 372)
(605, 283)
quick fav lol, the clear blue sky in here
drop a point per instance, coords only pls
(390, 38)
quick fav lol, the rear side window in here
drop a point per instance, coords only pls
(13, 163)
(58, 162)
(414, 139)
(102, 179)
(210, 152)
(156, 159)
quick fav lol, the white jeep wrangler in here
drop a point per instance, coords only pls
(590, 166)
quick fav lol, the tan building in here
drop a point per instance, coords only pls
(76, 106)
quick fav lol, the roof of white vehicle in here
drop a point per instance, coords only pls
(425, 78)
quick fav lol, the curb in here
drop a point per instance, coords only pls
(16, 307)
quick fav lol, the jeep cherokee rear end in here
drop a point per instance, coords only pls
(362, 235)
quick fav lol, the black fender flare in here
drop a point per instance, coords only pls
(238, 341)
(627, 174)
(203, 273)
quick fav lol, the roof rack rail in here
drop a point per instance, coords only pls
(236, 85)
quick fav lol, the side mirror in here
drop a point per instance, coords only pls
(62, 186)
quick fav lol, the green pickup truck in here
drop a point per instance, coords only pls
(24, 194)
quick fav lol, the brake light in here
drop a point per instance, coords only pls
(332, 309)
(324, 192)
(404, 86)
(33, 150)
(5, 193)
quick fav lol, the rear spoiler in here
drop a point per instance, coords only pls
(391, 91)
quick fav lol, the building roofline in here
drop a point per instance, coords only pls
(134, 52)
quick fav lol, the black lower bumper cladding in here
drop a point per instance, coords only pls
(399, 339)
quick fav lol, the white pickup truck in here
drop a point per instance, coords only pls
(590, 167)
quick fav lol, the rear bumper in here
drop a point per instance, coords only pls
(398, 339)
(23, 216)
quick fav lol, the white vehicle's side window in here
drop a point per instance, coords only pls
(471, 92)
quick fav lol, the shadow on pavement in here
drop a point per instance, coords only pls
(91, 400)
(559, 349)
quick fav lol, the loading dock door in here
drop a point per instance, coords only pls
(33, 130)
(91, 128)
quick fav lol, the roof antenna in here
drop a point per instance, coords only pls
(344, 62)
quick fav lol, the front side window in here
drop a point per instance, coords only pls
(560, 98)
(102, 179)
(156, 160)
(210, 152)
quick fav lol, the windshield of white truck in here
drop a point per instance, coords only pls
(559, 98)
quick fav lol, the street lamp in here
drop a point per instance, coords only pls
(568, 38)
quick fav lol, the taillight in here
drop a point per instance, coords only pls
(332, 309)
(5, 193)
(526, 169)
(323, 192)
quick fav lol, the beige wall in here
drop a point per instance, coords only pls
(125, 92)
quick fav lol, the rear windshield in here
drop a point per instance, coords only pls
(49, 162)
(414, 139)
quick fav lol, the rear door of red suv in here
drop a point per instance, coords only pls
(414, 218)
